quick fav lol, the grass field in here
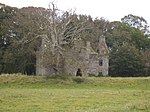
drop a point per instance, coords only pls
(20, 93)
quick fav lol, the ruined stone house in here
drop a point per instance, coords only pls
(80, 56)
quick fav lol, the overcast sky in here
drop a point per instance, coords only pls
(109, 9)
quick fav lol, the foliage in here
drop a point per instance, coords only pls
(146, 60)
(23, 30)
(121, 33)
(118, 36)
(137, 22)
(126, 61)
(6, 15)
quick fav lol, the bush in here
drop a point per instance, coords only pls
(79, 79)
(58, 76)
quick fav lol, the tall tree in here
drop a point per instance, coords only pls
(120, 32)
(118, 35)
(137, 22)
(6, 35)
(60, 29)
(125, 61)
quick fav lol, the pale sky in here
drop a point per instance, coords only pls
(112, 10)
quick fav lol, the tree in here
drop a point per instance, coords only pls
(6, 36)
(33, 27)
(146, 61)
(59, 30)
(137, 22)
(27, 41)
(138, 39)
(18, 27)
(27, 32)
(126, 61)
(120, 33)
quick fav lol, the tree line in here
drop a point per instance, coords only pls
(22, 30)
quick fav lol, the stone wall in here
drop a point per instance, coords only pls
(80, 56)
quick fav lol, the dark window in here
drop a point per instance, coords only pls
(100, 74)
(100, 62)
(97, 50)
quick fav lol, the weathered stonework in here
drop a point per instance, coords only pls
(80, 56)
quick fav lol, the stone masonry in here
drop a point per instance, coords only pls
(80, 56)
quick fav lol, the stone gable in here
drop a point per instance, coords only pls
(80, 56)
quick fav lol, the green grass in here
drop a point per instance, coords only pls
(20, 93)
